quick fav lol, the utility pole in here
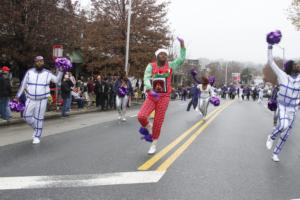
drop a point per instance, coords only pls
(226, 67)
(283, 55)
(128, 36)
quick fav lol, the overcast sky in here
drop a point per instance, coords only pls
(232, 29)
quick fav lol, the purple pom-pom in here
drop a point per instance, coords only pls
(122, 91)
(215, 101)
(147, 138)
(274, 37)
(194, 72)
(63, 64)
(154, 94)
(16, 106)
(146, 135)
(144, 131)
(272, 104)
(20, 107)
(12, 105)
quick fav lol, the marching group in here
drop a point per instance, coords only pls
(111, 92)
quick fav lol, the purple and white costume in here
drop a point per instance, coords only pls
(204, 98)
(36, 86)
(288, 100)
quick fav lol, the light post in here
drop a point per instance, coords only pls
(226, 67)
(128, 36)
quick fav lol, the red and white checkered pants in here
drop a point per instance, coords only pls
(160, 107)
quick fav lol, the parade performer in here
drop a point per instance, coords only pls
(272, 103)
(241, 93)
(195, 92)
(224, 91)
(35, 84)
(206, 92)
(123, 89)
(288, 98)
(5, 92)
(157, 80)
(260, 95)
(195, 96)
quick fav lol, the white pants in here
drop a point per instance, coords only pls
(203, 105)
(286, 118)
(87, 98)
(34, 115)
(121, 103)
(260, 99)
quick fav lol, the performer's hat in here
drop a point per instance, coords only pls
(5, 69)
(38, 58)
(161, 51)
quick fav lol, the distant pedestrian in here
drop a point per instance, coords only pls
(66, 89)
(123, 89)
(5, 93)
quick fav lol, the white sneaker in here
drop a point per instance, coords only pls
(275, 158)
(124, 119)
(269, 142)
(152, 149)
(36, 140)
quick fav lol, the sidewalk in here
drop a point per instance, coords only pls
(16, 119)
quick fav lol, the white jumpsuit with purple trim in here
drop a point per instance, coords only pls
(204, 98)
(288, 100)
(37, 90)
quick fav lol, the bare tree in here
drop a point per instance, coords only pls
(269, 75)
(106, 34)
(31, 27)
(294, 13)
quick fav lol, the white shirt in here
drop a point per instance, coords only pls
(207, 93)
(36, 84)
(289, 87)
(76, 95)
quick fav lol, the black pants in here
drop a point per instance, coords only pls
(100, 101)
(194, 102)
(110, 101)
(224, 95)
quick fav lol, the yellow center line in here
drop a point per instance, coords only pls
(167, 163)
(149, 163)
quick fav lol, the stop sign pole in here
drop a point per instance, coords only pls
(57, 53)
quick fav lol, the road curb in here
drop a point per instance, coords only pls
(58, 115)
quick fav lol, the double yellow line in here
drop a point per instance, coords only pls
(169, 161)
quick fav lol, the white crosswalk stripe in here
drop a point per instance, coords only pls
(67, 181)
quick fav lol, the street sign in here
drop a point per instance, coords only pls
(236, 77)
(57, 51)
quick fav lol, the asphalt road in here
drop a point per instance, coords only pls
(223, 158)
